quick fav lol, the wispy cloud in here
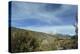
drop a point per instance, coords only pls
(26, 11)
(39, 15)
(44, 12)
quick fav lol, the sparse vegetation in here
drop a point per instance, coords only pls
(29, 41)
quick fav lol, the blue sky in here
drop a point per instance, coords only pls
(55, 18)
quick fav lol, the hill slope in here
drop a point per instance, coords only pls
(28, 41)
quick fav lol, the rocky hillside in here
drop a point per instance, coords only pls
(28, 41)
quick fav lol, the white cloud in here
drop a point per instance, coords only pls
(25, 11)
(33, 11)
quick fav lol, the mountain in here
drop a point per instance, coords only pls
(28, 41)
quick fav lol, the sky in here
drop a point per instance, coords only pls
(44, 17)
